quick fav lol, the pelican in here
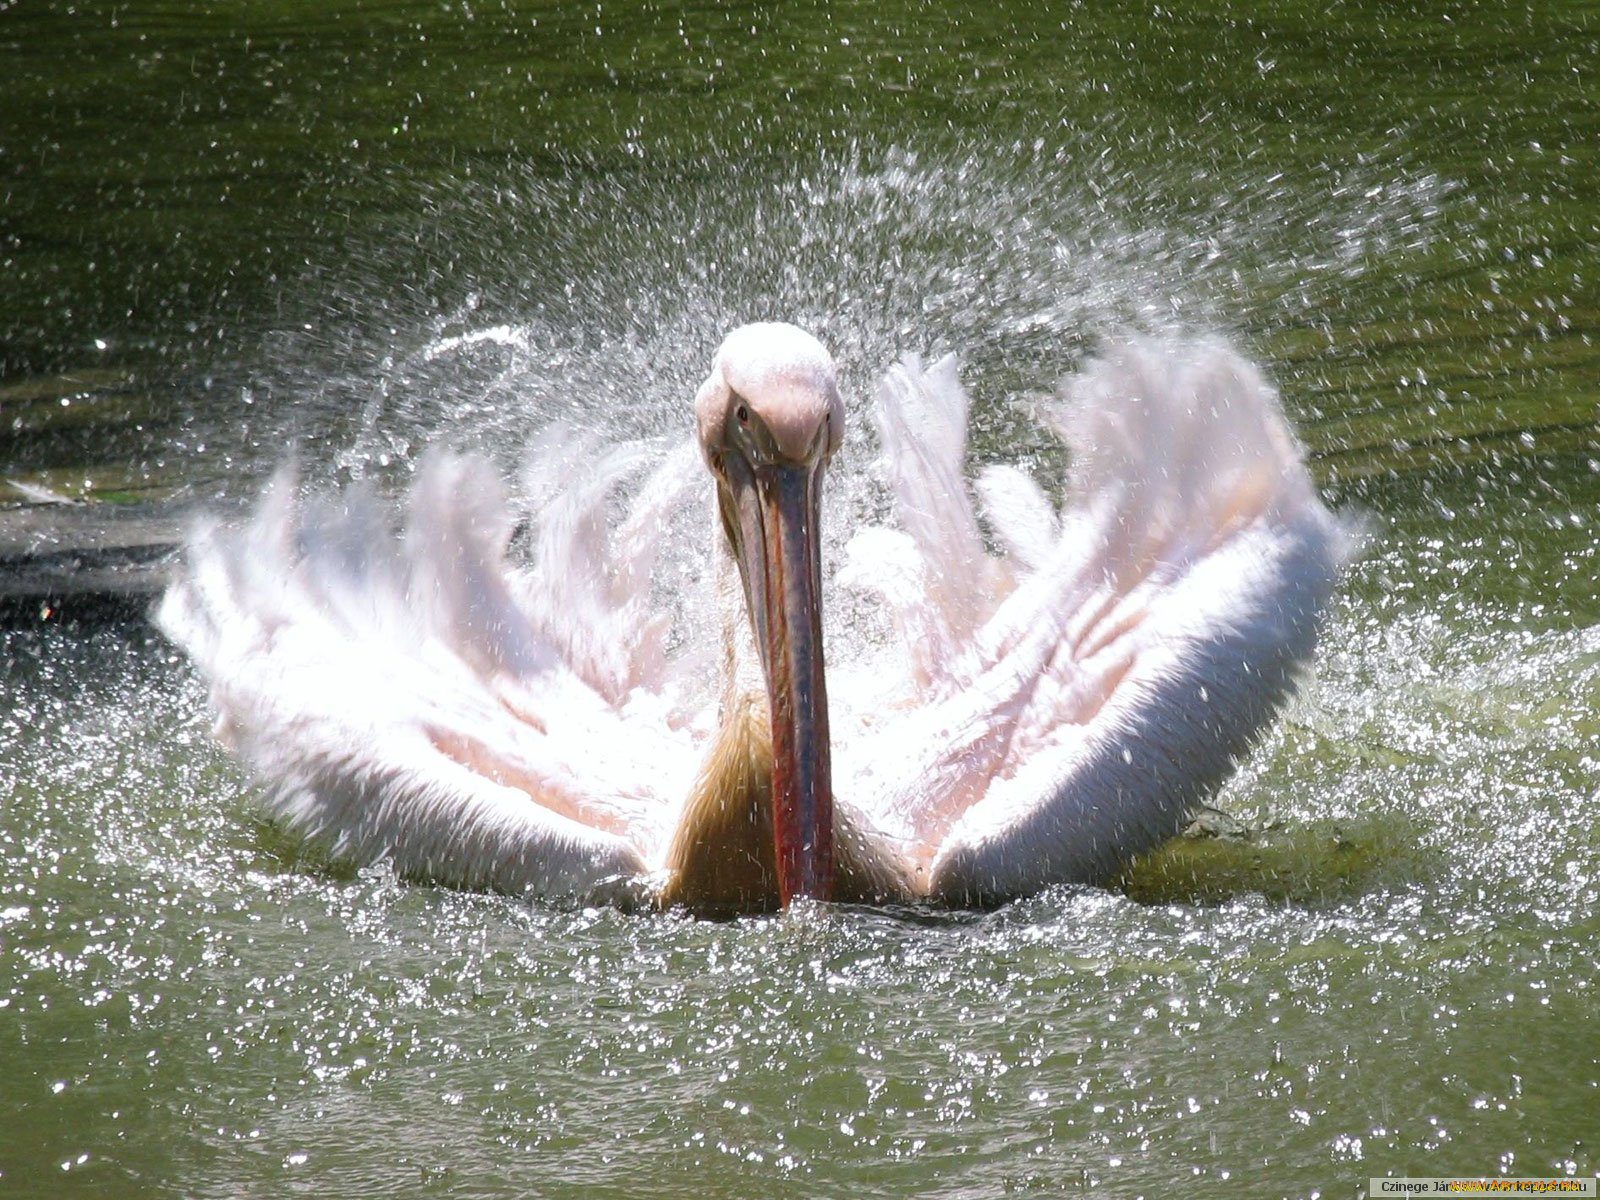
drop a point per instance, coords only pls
(1053, 691)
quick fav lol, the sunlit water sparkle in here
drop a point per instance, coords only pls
(1428, 876)
(1396, 973)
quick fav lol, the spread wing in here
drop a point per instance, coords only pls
(416, 699)
(1065, 703)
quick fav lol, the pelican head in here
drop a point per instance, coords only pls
(769, 417)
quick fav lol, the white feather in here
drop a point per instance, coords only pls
(362, 675)
(1040, 716)
(1113, 685)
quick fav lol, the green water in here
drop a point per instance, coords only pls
(226, 229)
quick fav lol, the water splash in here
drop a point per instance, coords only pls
(1407, 973)
(597, 298)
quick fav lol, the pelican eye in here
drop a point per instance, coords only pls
(743, 413)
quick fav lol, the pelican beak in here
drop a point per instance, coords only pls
(776, 509)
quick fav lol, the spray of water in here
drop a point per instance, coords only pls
(1430, 804)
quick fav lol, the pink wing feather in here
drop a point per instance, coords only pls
(1069, 701)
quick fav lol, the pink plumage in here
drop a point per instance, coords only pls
(1058, 695)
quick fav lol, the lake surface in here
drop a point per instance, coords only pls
(231, 229)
